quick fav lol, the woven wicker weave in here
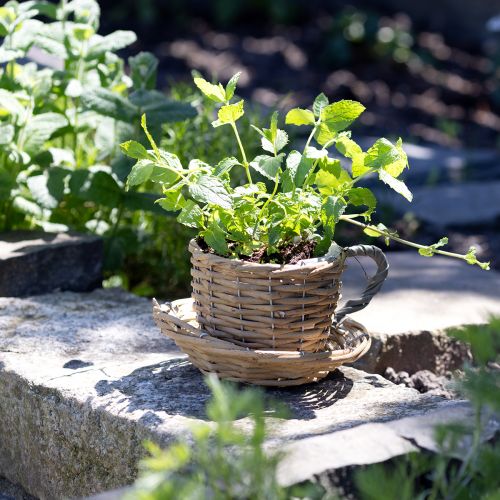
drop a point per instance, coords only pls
(265, 306)
(346, 343)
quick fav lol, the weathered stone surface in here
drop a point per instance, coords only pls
(420, 299)
(67, 432)
(472, 203)
(37, 262)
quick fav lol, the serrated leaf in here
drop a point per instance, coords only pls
(334, 207)
(268, 166)
(315, 153)
(110, 43)
(215, 237)
(320, 102)
(385, 155)
(133, 149)
(140, 173)
(191, 215)
(398, 186)
(299, 117)
(362, 196)
(339, 115)
(231, 112)
(210, 189)
(143, 70)
(347, 147)
(358, 165)
(331, 165)
(231, 86)
(328, 183)
(107, 103)
(214, 92)
(172, 200)
(39, 130)
(225, 165)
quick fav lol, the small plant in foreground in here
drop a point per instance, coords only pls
(224, 461)
(287, 199)
(465, 468)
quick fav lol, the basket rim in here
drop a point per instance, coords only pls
(195, 249)
(174, 312)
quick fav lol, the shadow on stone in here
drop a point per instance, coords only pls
(303, 401)
(176, 387)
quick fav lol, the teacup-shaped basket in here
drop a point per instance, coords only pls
(270, 324)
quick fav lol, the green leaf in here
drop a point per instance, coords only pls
(215, 237)
(299, 117)
(328, 183)
(6, 133)
(471, 258)
(225, 165)
(172, 201)
(385, 155)
(320, 102)
(362, 196)
(133, 149)
(397, 185)
(191, 215)
(144, 126)
(9, 104)
(102, 189)
(107, 103)
(358, 165)
(268, 166)
(339, 115)
(334, 207)
(210, 189)
(37, 185)
(375, 232)
(40, 129)
(143, 70)
(134, 200)
(159, 109)
(430, 250)
(110, 43)
(214, 92)
(140, 173)
(347, 147)
(25, 206)
(229, 113)
(231, 86)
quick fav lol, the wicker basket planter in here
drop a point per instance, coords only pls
(269, 324)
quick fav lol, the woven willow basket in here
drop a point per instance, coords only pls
(270, 324)
(347, 343)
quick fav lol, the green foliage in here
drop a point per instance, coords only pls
(223, 461)
(287, 197)
(60, 167)
(475, 475)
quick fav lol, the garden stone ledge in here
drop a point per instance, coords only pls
(421, 299)
(36, 262)
(86, 378)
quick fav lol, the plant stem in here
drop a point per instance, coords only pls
(311, 135)
(243, 155)
(398, 239)
(275, 190)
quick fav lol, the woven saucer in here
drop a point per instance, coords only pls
(347, 343)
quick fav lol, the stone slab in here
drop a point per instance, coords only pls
(420, 299)
(456, 205)
(38, 262)
(85, 378)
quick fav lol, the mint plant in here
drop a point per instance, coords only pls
(60, 126)
(287, 198)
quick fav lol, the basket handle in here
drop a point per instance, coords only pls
(374, 283)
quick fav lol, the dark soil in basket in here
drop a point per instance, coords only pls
(289, 254)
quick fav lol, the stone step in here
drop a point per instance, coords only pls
(455, 205)
(421, 298)
(86, 378)
(35, 262)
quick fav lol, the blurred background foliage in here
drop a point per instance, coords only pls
(425, 70)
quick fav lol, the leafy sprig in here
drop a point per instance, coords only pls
(288, 198)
